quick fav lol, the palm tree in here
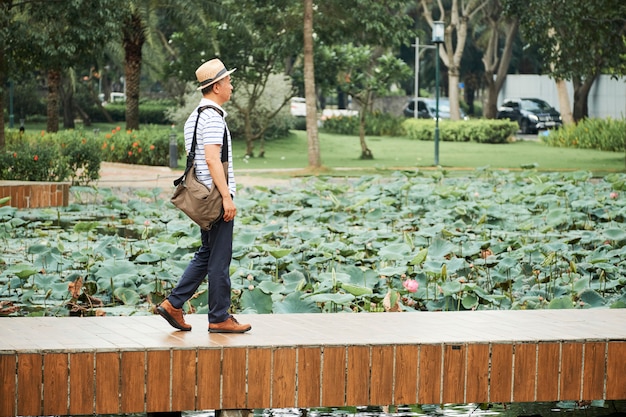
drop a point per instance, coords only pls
(133, 38)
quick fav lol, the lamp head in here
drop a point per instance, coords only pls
(438, 31)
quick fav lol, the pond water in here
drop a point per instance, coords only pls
(569, 409)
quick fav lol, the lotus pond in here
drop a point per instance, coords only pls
(488, 240)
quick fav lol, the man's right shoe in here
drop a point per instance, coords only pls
(230, 325)
(174, 316)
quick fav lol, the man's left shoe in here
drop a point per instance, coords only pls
(230, 325)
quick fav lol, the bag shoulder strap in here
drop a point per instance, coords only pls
(192, 151)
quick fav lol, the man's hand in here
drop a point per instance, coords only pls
(230, 211)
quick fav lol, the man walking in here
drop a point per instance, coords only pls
(214, 256)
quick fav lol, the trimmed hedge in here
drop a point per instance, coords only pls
(376, 124)
(479, 130)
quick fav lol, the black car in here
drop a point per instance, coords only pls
(531, 114)
(427, 108)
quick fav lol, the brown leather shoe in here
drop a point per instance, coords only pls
(174, 316)
(230, 325)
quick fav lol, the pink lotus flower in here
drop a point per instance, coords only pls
(411, 285)
(613, 195)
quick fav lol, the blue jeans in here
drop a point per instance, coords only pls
(212, 259)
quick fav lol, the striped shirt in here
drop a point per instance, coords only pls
(210, 132)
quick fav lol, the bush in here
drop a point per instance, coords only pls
(148, 146)
(82, 156)
(30, 157)
(602, 134)
(376, 124)
(150, 112)
(481, 131)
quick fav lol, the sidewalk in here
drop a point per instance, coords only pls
(114, 175)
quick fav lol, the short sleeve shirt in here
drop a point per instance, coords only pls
(211, 128)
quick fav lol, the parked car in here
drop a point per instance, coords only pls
(531, 114)
(427, 108)
(297, 106)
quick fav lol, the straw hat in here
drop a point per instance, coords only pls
(211, 72)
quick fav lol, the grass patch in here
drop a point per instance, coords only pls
(392, 153)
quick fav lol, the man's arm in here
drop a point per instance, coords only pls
(213, 157)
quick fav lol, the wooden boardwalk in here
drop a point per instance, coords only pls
(115, 365)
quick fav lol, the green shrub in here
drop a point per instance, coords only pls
(33, 157)
(82, 156)
(343, 125)
(376, 124)
(148, 146)
(150, 112)
(481, 131)
(602, 134)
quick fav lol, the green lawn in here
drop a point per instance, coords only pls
(338, 151)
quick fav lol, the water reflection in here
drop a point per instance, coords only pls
(565, 408)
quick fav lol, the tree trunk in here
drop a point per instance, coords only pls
(133, 40)
(3, 81)
(54, 80)
(453, 94)
(366, 153)
(247, 129)
(564, 103)
(315, 160)
(497, 65)
(67, 97)
(581, 96)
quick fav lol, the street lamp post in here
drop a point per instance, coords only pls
(417, 71)
(438, 34)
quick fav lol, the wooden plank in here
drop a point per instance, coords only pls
(233, 379)
(548, 371)
(184, 380)
(501, 374)
(82, 383)
(381, 387)
(107, 383)
(593, 380)
(29, 383)
(309, 377)
(429, 389)
(616, 371)
(358, 377)
(477, 380)
(8, 389)
(259, 375)
(405, 391)
(209, 376)
(525, 372)
(571, 371)
(334, 377)
(55, 384)
(454, 374)
(132, 382)
(284, 378)
(158, 381)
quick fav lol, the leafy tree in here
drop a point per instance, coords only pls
(579, 39)
(13, 49)
(256, 37)
(456, 30)
(65, 33)
(363, 78)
